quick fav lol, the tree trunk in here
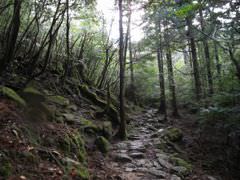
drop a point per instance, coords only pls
(132, 81)
(207, 56)
(122, 129)
(67, 62)
(218, 65)
(235, 62)
(171, 75)
(162, 107)
(196, 75)
(11, 38)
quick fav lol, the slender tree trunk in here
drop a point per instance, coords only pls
(162, 107)
(218, 65)
(12, 35)
(132, 80)
(67, 62)
(197, 82)
(235, 62)
(132, 84)
(122, 129)
(207, 56)
(128, 31)
(171, 75)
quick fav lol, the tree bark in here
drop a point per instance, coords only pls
(170, 74)
(122, 128)
(162, 107)
(218, 65)
(67, 62)
(11, 38)
(197, 82)
(207, 56)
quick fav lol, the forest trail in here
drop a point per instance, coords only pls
(146, 155)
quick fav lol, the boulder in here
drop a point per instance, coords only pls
(60, 100)
(88, 125)
(122, 157)
(11, 94)
(106, 129)
(5, 168)
(32, 95)
(183, 168)
(111, 111)
(102, 144)
(173, 134)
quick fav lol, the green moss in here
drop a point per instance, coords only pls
(174, 134)
(73, 144)
(5, 168)
(162, 145)
(32, 95)
(102, 144)
(39, 112)
(82, 173)
(88, 124)
(180, 162)
(111, 111)
(11, 94)
(75, 169)
(28, 157)
(80, 149)
(107, 129)
(60, 100)
(45, 109)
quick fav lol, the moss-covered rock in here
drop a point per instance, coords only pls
(32, 95)
(60, 100)
(27, 156)
(75, 169)
(106, 129)
(174, 134)
(111, 111)
(40, 112)
(5, 168)
(182, 167)
(162, 145)
(73, 144)
(69, 117)
(88, 125)
(11, 94)
(82, 173)
(102, 144)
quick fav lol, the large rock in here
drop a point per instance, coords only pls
(173, 134)
(175, 177)
(88, 125)
(106, 129)
(6, 168)
(111, 111)
(11, 94)
(60, 100)
(32, 95)
(158, 173)
(102, 144)
(77, 170)
(137, 155)
(122, 157)
(165, 163)
(183, 168)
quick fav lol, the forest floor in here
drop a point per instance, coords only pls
(154, 150)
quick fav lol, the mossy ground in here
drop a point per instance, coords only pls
(11, 94)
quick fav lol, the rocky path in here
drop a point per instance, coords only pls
(148, 153)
